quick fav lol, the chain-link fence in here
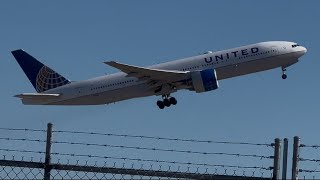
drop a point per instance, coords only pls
(67, 157)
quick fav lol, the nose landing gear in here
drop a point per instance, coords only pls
(167, 101)
(284, 76)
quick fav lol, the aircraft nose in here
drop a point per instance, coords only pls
(301, 51)
(304, 50)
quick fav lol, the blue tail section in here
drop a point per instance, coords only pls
(41, 76)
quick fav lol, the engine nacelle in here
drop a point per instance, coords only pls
(205, 80)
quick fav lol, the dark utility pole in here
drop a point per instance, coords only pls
(47, 162)
(276, 162)
(285, 159)
(295, 157)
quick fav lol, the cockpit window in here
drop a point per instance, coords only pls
(295, 45)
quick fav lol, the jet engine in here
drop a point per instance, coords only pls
(205, 80)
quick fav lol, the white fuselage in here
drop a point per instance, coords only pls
(227, 63)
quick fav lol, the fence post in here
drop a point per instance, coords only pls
(285, 159)
(295, 157)
(47, 167)
(276, 162)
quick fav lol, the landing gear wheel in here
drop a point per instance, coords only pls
(173, 101)
(160, 104)
(284, 76)
(166, 102)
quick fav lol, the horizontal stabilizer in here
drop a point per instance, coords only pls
(38, 96)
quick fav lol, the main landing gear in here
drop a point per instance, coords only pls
(284, 76)
(166, 102)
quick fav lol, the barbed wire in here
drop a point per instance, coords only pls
(23, 129)
(165, 138)
(309, 160)
(162, 161)
(164, 150)
(143, 137)
(140, 160)
(23, 139)
(22, 151)
(127, 160)
(310, 146)
(309, 171)
(134, 147)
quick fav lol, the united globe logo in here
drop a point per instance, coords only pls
(49, 79)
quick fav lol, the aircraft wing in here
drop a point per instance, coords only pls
(37, 96)
(142, 73)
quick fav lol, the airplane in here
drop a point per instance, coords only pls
(199, 73)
